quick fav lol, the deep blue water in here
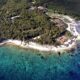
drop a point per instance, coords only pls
(20, 64)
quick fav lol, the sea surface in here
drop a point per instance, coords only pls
(21, 64)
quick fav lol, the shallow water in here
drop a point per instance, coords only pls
(20, 64)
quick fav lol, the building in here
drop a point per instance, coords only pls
(62, 39)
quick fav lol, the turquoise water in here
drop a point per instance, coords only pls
(20, 64)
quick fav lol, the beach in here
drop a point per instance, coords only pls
(39, 47)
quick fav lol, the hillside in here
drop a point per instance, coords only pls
(19, 20)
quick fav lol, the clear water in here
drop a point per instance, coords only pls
(20, 64)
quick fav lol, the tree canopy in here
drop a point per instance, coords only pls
(17, 21)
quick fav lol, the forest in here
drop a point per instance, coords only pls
(30, 23)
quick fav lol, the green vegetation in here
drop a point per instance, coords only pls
(29, 24)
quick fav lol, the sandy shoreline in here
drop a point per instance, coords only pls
(33, 45)
(36, 46)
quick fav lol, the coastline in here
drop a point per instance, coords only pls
(36, 46)
(67, 45)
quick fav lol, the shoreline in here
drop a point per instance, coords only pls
(68, 45)
(36, 46)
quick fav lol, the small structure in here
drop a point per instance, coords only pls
(42, 8)
(62, 39)
(32, 8)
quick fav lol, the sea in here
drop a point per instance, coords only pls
(24, 64)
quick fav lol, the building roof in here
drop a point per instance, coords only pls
(62, 39)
